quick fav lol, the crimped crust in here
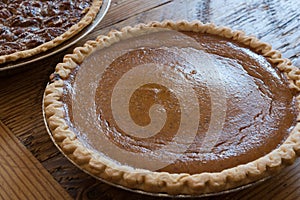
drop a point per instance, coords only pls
(73, 30)
(163, 182)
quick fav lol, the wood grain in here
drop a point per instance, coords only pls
(20, 109)
(274, 21)
(21, 175)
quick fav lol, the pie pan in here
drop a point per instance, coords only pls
(95, 100)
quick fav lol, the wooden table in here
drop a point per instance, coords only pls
(32, 167)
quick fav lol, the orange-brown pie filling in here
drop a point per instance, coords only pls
(141, 92)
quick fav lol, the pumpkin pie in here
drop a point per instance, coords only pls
(176, 108)
(31, 27)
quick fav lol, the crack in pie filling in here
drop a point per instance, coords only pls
(179, 108)
(31, 27)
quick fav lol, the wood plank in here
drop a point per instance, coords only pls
(20, 110)
(273, 21)
(21, 175)
(123, 9)
(267, 20)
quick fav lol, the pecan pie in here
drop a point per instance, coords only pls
(31, 27)
(176, 108)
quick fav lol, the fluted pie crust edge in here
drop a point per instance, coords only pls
(163, 182)
(73, 30)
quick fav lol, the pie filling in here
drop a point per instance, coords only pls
(27, 24)
(179, 102)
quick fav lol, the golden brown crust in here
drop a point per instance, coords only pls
(163, 182)
(76, 28)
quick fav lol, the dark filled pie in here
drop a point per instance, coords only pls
(176, 107)
(29, 27)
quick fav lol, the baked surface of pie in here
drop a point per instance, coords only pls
(31, 27)
(180, 108)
